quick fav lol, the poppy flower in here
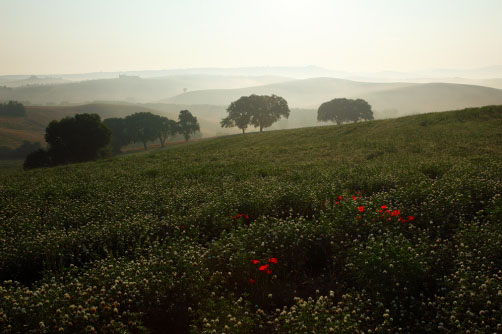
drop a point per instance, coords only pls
(264, 267)
(268, 271)
(337, 202)
(251, 280)
(396, 212)
(383, 207)
(182, 227)
(402, 220)
(255, 261)
(340, 198)
(410, 218)
(272, 260)
(246, 216)
(361, 208)
(354, 198)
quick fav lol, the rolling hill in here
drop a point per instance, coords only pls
(387, 226)
(127, 88)
(387, 99)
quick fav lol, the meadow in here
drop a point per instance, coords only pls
(388, 226)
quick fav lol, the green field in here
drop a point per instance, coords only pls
(390, 226)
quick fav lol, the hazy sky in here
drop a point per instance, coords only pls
(74, 36)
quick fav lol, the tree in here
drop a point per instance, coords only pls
(239, 114)
(167, 127)
(344, 110)
(142, 127)
(266, 110)
(187, 124)
(76, 139)
(120, 135)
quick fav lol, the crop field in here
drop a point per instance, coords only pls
(390, 226)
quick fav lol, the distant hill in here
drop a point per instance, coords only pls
(126, 88)
(387, 99)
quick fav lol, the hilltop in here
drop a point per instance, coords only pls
(387, 99)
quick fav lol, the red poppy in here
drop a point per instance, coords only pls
(396, 212)
(354, 198)
(340, 198)
(383, 207)
(337, 202)
(402, 220)
(255, 261)
(182, 227)
(251, 280)
(272, 260)
(264, 267)
(410, 218)
(268, 271)
(246, 216)
(361, 208)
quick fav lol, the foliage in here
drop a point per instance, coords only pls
(142, 127)
(167, 127)
(300, 233)
(344, 110)
(120, 135)
(76, 139)
(258, 110)
(12, 108)
(38, 158)
(187, 124)
(239, 114)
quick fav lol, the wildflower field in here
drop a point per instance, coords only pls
(390, 226)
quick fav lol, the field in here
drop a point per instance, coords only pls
(389, 226)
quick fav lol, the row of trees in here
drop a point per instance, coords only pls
(144, 127)
(85, 137)
(262, 111)
(13, 109)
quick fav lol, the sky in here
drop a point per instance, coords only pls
(78, 36)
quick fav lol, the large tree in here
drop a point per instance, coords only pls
(344, 110)
(266, 110)
(239, 114)
(187, 124)
(167, 127)
(142, 127)
(120, 135)
(76, 139)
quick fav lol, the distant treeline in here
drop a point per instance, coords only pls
(7, 153)
(12, 108)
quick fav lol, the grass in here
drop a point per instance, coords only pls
(165, 239)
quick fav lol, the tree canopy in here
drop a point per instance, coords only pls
(187, 123)
(258, 110)
(120, 135)
(344, 110)
(76, 139)
(142, 127)
(166, 127)
(239, 114)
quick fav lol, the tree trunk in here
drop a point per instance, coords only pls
(243, 131)
(261, 128)
(144, 145)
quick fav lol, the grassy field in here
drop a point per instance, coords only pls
(390, 226)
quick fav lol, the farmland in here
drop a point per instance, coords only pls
(376, 227)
